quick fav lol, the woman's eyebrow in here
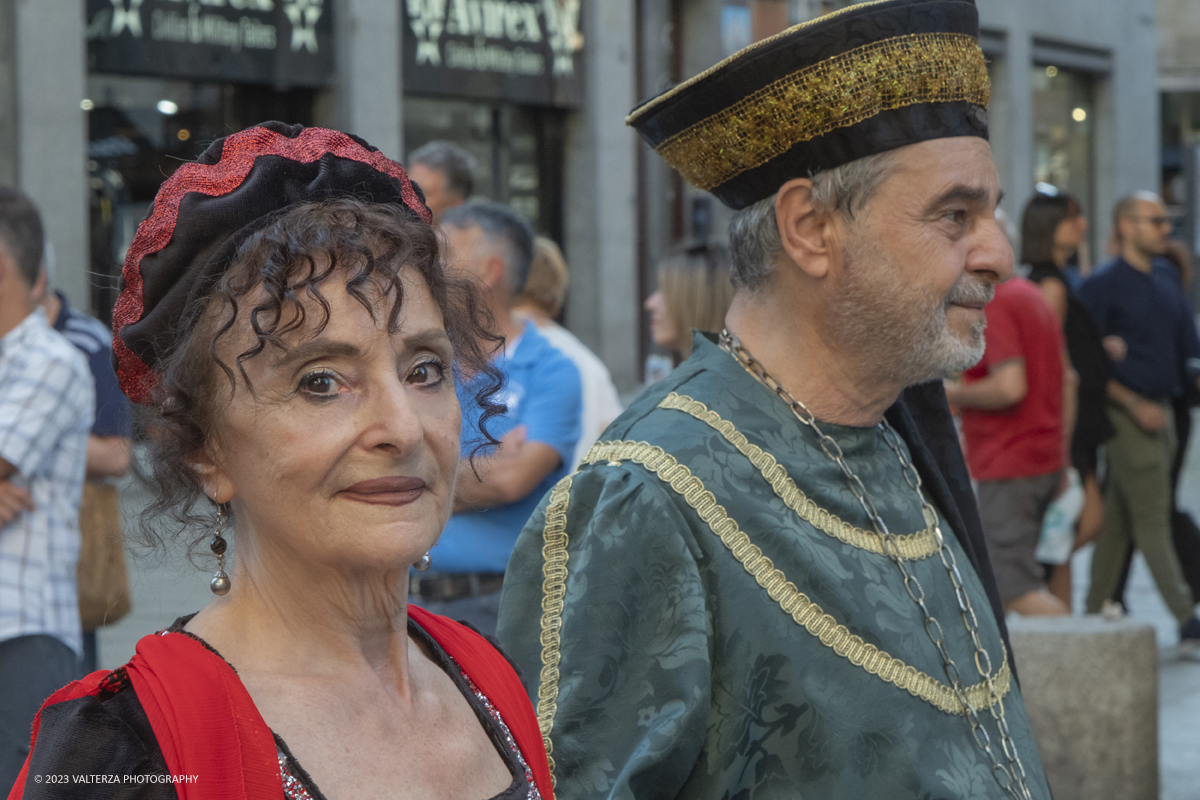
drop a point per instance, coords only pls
(427, 338)
(314, 349)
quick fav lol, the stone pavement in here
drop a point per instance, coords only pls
(166, 586)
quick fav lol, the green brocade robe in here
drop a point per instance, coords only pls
(703, 611)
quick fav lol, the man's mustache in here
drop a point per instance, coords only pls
(970, 293)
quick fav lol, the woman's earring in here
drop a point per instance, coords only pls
(424, 563)
(220, 583)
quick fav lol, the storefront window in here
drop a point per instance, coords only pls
(1063, 121)
(518, 149)
(139, 131)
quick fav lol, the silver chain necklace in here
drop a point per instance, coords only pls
(1010, 775)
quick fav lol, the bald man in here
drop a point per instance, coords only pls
(1141, 300)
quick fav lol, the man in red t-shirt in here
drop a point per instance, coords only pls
(1015, 422)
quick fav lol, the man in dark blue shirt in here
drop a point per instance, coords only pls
(1142, 302)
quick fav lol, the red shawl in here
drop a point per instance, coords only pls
(207, 725)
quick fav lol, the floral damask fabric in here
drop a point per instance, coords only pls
(725, 625)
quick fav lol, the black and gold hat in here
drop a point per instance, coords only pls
(870, 78)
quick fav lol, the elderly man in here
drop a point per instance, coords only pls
(768, 578)
(1141, 301)
(495, 494)
(446, 174)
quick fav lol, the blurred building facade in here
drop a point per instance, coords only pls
(1179, 85)
(101, 99)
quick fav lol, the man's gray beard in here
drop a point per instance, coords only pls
(938, 353)
(876, 323)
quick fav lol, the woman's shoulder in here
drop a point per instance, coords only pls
(100, 736)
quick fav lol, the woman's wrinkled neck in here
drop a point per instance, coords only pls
(283, 613)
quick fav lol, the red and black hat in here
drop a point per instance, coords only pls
(207, 209)
(869, 78)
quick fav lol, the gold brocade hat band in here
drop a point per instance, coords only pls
(871, 78)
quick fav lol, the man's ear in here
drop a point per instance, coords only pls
(39, 288)
(810, 236)
(494, 270)
(216, 483)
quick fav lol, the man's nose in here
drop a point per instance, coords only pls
(992, 258)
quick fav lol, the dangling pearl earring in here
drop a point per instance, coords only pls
(424, 563)
(220, 583)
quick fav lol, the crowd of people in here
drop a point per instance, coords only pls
(447, 563)
(1086, 380)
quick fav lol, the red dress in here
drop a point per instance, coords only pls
(214, 742)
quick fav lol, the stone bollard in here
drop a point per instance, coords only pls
(1091, 690)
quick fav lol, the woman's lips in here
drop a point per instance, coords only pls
(385, 491)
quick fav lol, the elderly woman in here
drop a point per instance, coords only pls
(285, 313)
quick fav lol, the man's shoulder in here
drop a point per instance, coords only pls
(544, 359)
(646, 418)
(573, 348)
(36, 345)
(1104, 278)
(86, 333)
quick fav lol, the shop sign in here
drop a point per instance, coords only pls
(278, 42)
(522, 51)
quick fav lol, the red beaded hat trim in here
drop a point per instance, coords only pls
(238, 154)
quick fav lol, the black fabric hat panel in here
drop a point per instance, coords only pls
(205, 211)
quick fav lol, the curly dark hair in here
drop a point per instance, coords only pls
(283, 264)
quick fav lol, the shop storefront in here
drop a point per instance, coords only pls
(498, 78)
(1064, 82)
(167, 77)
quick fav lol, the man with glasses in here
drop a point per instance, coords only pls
(1140, 300)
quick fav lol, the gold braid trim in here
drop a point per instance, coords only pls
(824, 19)
(835, 93)
(794, 603)
(554, 592)
(912, 547)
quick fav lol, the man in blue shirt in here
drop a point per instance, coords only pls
(496, 495)
(1142, 302)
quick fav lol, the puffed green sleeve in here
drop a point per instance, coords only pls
(604, 611)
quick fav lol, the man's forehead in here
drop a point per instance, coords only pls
(934, 167)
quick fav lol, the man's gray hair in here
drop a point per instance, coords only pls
(453, 161)
(502, 227)
(754, 240)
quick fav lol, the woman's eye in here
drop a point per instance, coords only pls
(320, 384)
(427, 373)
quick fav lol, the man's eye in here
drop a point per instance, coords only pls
(319, 384)
(958, 217)
(427, 373)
